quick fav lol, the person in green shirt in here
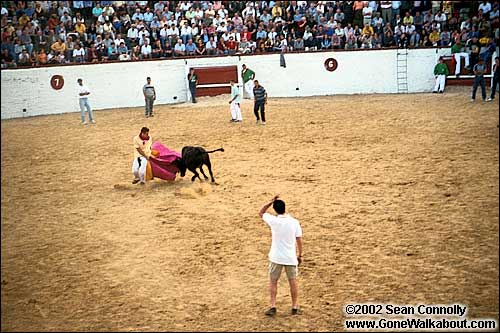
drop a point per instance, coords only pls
(248, 76)
(457, 51)
(440, 74)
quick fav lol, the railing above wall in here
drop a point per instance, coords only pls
(217, 56)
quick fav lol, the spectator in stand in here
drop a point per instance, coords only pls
(232, 46)
(186, 32)
(92, 56)
(26, 41)
(298, 44)
(122, 48)
(386, 11)
(368, 30)
(445, 38)
(70, 47)
(112, 53)
(408, 18)
(377, 19)
(211, 46)
(78, 54)
(434, 37)
(441, 19)
(190, 48)
(24, 59)
(133, 36)
(97, 10)
(255, 23)
(40, 41)
(396, 10)
(414, 38)
(485, 6)
(146, 50)
(41, 58)
(244, 46)
(367, 14)
(418, 21)
(179, 49)
(59, 46)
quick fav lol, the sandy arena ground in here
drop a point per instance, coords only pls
(397, 196)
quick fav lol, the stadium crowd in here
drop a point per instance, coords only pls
(35, 33)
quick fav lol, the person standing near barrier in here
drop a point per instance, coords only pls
(235, 103)
(440, 73)
(260, 100)
(496, 75)
(142, 153)
(149, 96)
(193, 81)
(286, 242)
(248, 76)
(479, 70)
(83, 93)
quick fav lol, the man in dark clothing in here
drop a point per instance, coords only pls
(193, 81)
(479, 70)
(260, 100)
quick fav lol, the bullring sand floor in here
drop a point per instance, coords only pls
(397, 196)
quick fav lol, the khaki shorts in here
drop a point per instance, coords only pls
(275, 271)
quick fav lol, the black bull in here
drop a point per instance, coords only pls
(194, 158)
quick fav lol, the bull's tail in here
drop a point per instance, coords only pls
(213, 151)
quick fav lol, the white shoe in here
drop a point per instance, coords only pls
(92, 121)
(489, 99)
(257, 122)
(472, 100)
(263, 123)
(83, 123)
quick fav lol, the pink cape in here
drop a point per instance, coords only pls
(162, 166)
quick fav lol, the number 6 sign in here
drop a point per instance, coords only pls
(57, 82)
(331, 64)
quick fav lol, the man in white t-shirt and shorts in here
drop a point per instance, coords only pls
(286, 232)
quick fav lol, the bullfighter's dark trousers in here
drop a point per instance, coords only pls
(260, 105)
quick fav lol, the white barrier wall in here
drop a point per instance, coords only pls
(117, 85)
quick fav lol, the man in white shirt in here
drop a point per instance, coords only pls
(285, 231)
(133, 35)
(142, 153)
(79, 54)
(485, 6)
(235, 103)
(146, 50)
(179, 49)
(211, 46)
(83, 93)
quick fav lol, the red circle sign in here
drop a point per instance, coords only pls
(57, 82)
(331, 64)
